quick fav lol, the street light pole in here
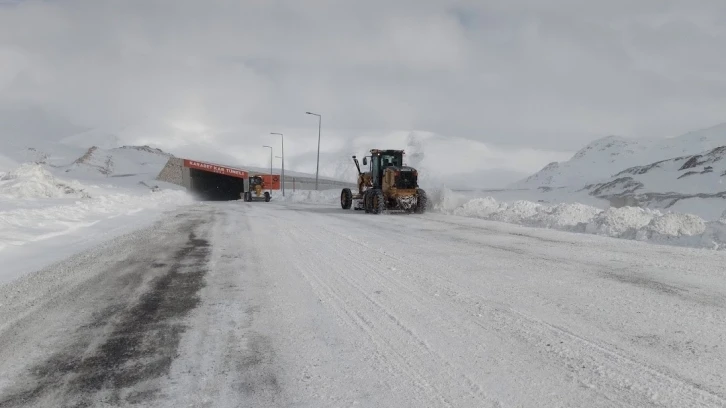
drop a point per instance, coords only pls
(283, 161)
(317, 166)
(270, 168)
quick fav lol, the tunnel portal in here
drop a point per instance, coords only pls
(210, 186)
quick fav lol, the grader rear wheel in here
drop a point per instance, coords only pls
(346, 198)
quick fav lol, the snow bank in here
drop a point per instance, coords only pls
(626, 223)
(560, 216)
(22, 225)
(36, 205)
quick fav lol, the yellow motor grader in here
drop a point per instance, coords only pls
(388, 185)
(256, 185)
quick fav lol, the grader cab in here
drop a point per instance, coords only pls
(388, 185)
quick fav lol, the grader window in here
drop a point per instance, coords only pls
(391, 160)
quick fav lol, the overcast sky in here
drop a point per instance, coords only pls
(547, 76)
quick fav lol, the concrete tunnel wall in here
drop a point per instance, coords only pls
(214, 186)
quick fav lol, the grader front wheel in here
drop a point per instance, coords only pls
(421, 202)
(378, 202)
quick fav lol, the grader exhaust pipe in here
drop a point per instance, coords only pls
(357, 165)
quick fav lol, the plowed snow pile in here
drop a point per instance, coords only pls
(627, 222)
(36, 205)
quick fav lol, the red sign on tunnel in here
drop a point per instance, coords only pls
(215, 168)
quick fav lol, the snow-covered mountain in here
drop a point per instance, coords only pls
(692, 183)
(692, 174)
(684, 173)
(603, 158)
(595, 161)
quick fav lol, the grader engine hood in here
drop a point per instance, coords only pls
(400, 178)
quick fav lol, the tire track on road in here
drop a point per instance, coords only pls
(132, 345)
(364, 268)
(600, 362)
(357, 321)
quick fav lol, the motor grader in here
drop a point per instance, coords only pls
(256, 185)
(388, 185)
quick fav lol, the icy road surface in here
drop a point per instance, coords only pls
(272, 305)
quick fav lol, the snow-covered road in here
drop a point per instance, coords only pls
(268, 304)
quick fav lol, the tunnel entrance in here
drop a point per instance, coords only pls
(214, 186)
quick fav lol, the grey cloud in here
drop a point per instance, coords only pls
(514, 74)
